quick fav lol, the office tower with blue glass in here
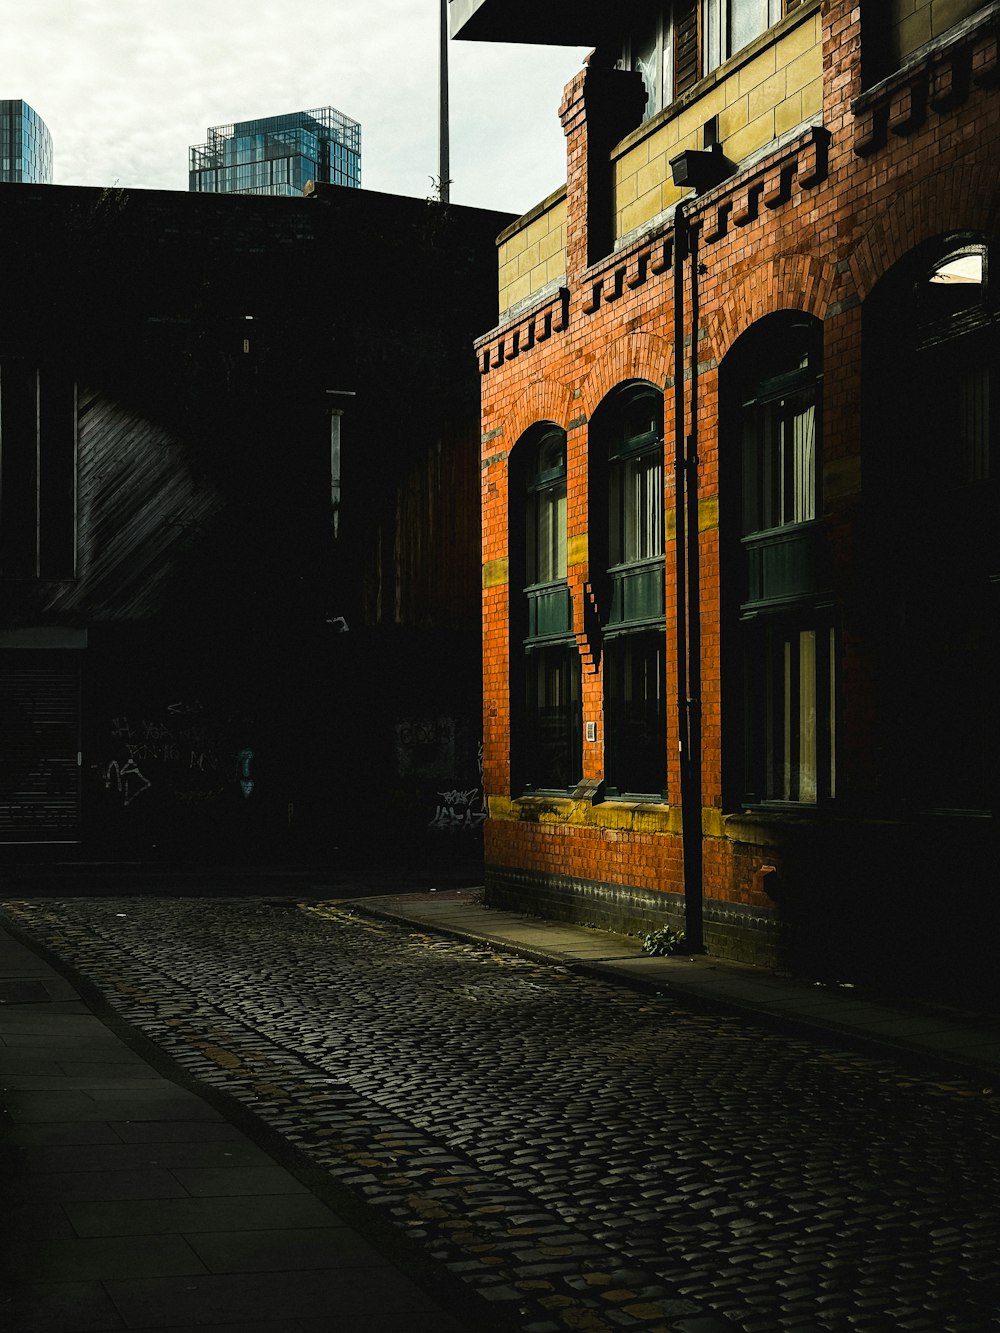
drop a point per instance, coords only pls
(278, 154)
(25, 144)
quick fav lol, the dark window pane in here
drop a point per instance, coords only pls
(779, 462)
(552, 713)
(636, 713)
(546, 512)
(772, 396)
(974, 422)
(637, 508)
(790, 713)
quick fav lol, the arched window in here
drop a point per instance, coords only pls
(782, 717)
(930, 469)
(635, 457)
(954, 323)
(779, 441)
(547, 716)
(627, 443)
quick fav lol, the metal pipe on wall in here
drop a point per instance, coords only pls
(691, 796)
(687, 573)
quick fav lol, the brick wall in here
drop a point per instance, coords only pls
(811, 225)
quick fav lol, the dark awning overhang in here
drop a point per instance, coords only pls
(532, 22)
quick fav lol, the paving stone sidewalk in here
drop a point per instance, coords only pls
(932, 1030)
(130, 1203)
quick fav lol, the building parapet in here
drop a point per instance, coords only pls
(799, 164)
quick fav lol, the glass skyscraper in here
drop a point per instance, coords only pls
(278, 154)
(25, 144)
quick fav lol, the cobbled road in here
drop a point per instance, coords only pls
(583, 1156)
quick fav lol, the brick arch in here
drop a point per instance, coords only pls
(637, 356)
(544, 400)
(787, 282)
(960, 198)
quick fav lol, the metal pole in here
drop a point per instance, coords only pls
(444, 167)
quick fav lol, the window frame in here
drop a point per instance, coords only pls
(562, 660)
(620, 736)
(952, 342)
(933, 495)
(772, 734)
(541, 626)
(717, 25)
(626, 453)
(634, 558)
(775, 595)
(775, 465)
(546, 493)
(661, 30)
(690, 40)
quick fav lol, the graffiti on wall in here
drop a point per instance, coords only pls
(129, 781)
(461, 810)
(179, 753)
(425, 748)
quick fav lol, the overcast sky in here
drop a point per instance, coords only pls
(125, 86)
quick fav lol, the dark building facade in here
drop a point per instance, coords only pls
(239, 608)
(740, 539)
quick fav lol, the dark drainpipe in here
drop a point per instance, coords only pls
(691, 819)
(686, 564)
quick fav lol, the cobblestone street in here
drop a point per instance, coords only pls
(581, 1155)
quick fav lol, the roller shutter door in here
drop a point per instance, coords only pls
(39, 745)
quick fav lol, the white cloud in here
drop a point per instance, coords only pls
(126, 86)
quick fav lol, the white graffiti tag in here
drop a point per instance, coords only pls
(127, 779)
(455, 812)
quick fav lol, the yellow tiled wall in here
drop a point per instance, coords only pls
(915, 22)
(532, 251)
(758, 95)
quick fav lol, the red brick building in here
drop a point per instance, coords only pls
(739, 468)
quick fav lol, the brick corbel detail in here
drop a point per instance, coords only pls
(522, 335)
(632, 271)
(803, 164)
(936, 84)
(586, 621)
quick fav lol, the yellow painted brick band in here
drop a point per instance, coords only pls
(577, 549)
(640, 817)
(708, 517)
(645, 817)
(708, 513)
(712, 822)
(495, 573)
